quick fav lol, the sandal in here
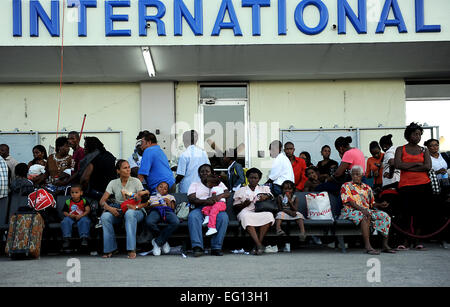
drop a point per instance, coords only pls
(280, 232)
(260, 250)
(302, 237)
(109, 255)
(372, 252)
(132, 255)
(388, 251)
(402, 248)
(420, 247)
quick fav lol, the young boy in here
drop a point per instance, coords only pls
(313, 179)
(76, 210)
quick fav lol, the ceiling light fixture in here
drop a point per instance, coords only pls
(148, 61)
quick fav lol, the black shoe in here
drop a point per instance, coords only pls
(84, 242)
(66, 244)
(198, 251)
(216, 252)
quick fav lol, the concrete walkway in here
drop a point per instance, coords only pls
(321, 266)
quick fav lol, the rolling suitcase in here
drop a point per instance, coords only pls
(24, 236)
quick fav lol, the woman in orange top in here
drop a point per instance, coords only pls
(374, 167)
(414, 162)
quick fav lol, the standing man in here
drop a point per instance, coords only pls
(298, 166)
(78, 151)
(281, 168)
(4, 174)
(189, 161)
(10, 161)
(154, 167)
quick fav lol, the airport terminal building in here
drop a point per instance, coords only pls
(241, 72)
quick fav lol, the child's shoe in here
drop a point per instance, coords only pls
(211, 231)
(205, 221)
(287, 248)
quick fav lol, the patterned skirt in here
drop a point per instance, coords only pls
(381, 221)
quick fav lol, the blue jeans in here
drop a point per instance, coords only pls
(171, 219)
(132, 218)
(84, 225)
(195, 220)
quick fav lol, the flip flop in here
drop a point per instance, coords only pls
(420, 247)
(388, 251)
(372, 252)
(281, 232)
(132, 255)
(402, 248)
(109, 255)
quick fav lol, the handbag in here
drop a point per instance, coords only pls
(182, 210)
(435, 184)
(266, 206)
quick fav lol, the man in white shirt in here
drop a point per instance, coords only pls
(281, 168)
(189, 161)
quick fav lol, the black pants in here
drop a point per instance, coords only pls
(416, 206)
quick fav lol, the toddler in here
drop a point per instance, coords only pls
(21, 184)
(76, 210)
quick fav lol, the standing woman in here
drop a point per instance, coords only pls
(350, 157)
(374, 165)
(112, 213)
(439, 162)
(255, 223)
(326, 165)
(414, 163)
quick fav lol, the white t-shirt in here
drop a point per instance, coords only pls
(390, 154)
(218, 190)
(115, 187)
(281, 170)
(134, 163)
(437, 164)
(188, 163)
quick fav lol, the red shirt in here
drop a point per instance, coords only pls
(299, 167)
(77, 156)
(408, 178)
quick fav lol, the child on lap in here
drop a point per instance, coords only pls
(211, 212)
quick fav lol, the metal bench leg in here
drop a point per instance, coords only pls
(341, 243)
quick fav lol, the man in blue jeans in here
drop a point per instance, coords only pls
(198, 195)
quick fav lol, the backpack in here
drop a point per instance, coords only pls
(182, 210)
(40, 200)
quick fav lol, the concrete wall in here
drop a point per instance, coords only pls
(311, 104)
(35, 107)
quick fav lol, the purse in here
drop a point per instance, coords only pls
(266, 206)
(435, 184)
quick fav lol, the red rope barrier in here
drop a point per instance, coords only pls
(421, 237)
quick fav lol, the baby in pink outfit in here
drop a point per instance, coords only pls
(211, 212)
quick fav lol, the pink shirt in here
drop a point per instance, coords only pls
(201, 191)
(355, 156)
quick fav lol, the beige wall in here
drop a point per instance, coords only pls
(311, 104)
(35, 107)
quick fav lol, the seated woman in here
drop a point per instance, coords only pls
(361, 209)
(38, 165)
(59, 166)
(244, 201)
(374, 167)
(199, 195)
(121, 188)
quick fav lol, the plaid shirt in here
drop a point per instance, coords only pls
(3, 178)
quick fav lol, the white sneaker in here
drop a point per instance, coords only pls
(287, 248)
(166, 248)
(211, 231)
(205, 221)
(156, 248)
(271, 249)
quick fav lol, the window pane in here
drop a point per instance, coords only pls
(223, 92)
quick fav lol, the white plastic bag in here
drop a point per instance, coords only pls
(318, 205)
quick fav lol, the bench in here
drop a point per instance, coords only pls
(335, 228)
